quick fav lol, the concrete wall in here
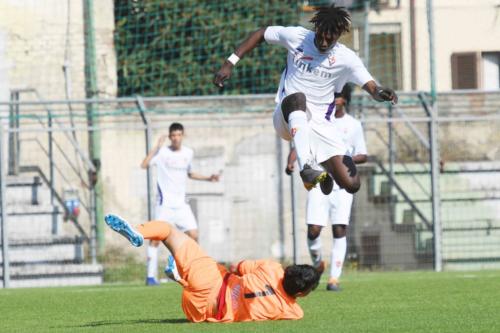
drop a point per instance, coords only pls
(33, 37)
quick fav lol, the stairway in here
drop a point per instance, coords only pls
(381, 242)
(42, 252)
(469, 212)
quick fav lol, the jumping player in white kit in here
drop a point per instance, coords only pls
(317, 67)
(335, 207)
(173, 165)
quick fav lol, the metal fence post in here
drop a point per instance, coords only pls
(93, 227)
(294, 214)
(55, 217)
(92, 92)
(392, 162)
(432, 65)
(5, 240)
(149, 137)
(366, 34)
(281, 201)
(14, 143)
(434, 149)
(436, 201)
(51, 157)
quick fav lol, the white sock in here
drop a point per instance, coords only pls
(152, 262)
(338, 256)
(315, 250)
(299, 128)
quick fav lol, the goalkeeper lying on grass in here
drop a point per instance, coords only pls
(255, 290)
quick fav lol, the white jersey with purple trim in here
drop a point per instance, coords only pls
(351, 132)
(173, 167)
(317, 75)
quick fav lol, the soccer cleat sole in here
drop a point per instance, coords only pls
(325, 182)
(123, 228)
(332, 287)
(309, 186)
(321, 177)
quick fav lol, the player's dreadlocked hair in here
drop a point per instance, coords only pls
(332, 20)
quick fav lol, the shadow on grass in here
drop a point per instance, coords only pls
(134, 322)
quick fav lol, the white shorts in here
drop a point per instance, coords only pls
(182, 216)
(335, 207)
(323, 140)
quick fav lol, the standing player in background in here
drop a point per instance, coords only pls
(317, 67)
(335, 207)
(173, 168)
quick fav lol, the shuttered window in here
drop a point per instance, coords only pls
(464, 70)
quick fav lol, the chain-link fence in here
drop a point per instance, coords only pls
(76, 49)
(71, 150)
(248, 214)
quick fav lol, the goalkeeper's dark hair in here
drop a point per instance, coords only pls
(175, 127)
(300, 278)
(332, 20)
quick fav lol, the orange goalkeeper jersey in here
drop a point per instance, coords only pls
(257, 294)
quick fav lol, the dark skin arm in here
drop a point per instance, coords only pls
(248, 45)
(378, 93)
(292, 157)
(360, 159)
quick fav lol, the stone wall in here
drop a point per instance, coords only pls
(37, 38)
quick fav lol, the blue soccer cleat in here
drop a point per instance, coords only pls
(151, 281)
(123, 227)
(171, 269)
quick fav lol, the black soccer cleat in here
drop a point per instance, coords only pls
(326, 185)
(311, 177)
(333, 285)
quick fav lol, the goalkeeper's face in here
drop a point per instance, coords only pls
(176, 138)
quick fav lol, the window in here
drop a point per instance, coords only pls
(464, 71)
(475, 70)
(491, 70)
(385, 54)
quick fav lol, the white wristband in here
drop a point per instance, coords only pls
(233, 58)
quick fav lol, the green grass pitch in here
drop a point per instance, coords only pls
(370, 302)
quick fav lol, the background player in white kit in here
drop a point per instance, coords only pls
(335, 207)
(173, 164)
(317, 67)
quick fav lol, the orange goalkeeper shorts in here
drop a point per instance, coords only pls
(203, 277)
